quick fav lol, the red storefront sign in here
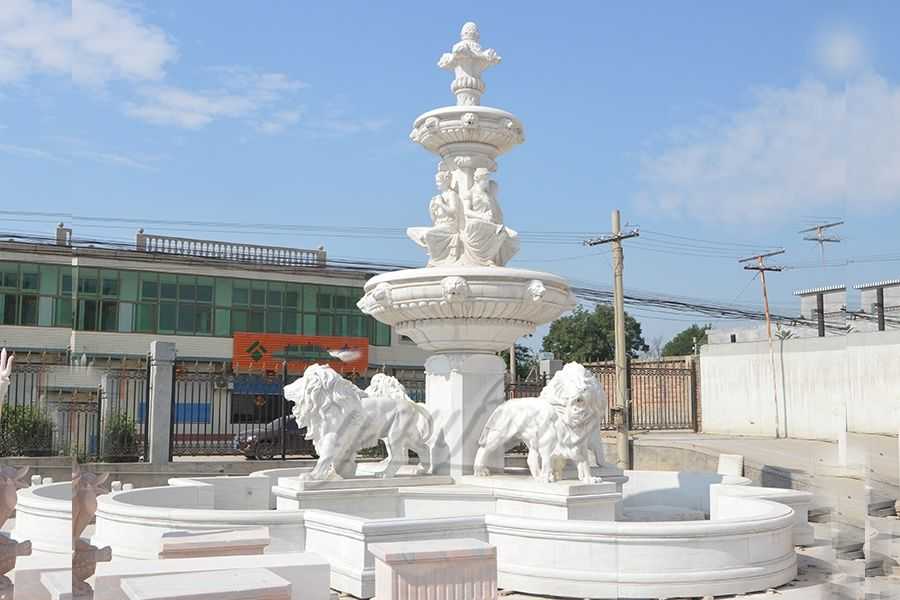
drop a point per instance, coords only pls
(268, 351)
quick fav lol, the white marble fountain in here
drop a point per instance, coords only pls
(568, 524)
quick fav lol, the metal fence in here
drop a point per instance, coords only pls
(214, 413)
(124, 421)
(96, 414)
(85, 412)
(664, 394)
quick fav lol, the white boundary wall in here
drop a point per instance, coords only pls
(822, 384)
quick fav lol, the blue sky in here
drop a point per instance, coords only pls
(735, 123)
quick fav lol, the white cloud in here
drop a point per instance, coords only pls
(96, 42)
(841, 51)
(279, 121)
(244, 94)
(119, 160)
(93, 42)
(29, 152)
(796, 151)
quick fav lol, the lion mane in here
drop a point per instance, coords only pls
(341, 419)
(320, 391)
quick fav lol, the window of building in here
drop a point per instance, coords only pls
(147, 302)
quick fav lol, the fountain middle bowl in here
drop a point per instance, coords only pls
(466, 308)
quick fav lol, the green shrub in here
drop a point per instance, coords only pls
(119, 439)
(25, 431)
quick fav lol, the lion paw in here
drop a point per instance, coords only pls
(482, 472)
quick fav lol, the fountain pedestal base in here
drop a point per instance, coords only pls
(462, 390)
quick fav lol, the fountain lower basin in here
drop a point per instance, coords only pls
(744, 543)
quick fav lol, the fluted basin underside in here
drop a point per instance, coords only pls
(449, 309)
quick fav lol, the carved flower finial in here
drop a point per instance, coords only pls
(470, 31)
(467, 60)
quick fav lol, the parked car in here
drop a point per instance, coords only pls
(264, 442)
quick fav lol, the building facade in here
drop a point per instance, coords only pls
(242, 317)
(110, 303)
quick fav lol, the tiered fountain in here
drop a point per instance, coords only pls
(465, 305)
(641, 534)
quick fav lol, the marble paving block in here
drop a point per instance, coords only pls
(238, 584)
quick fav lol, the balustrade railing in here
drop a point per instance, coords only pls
(230, 251)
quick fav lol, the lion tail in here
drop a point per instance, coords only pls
(425, 421)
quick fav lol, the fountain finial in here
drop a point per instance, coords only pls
(467, 60)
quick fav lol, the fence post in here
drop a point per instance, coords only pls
(146, 400)
(284, 382)
(162, 370)
(692, 383)
(101, 405)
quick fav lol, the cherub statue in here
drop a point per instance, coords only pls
(441, 240)
(487, 241)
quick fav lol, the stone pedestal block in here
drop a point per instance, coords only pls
(462, 390)
(568, 500)
(240, 584)
(463, 569)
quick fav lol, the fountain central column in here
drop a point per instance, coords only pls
(465, 305)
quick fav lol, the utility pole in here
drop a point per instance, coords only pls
(758, 263)
(820, 236)
(623, 400)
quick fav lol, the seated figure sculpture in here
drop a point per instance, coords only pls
(342, 419)
(561, 424)
(486, 240)
(467, 223)
(441, 240)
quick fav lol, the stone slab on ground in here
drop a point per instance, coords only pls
(30, 569)
(308, 573)
(58, 584)
(228, 542)
(239, 584)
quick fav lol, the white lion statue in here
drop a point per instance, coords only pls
(561, 424)
(342, 419)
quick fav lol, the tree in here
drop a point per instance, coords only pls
(525, 360)
(683, 343)
(588, 336)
